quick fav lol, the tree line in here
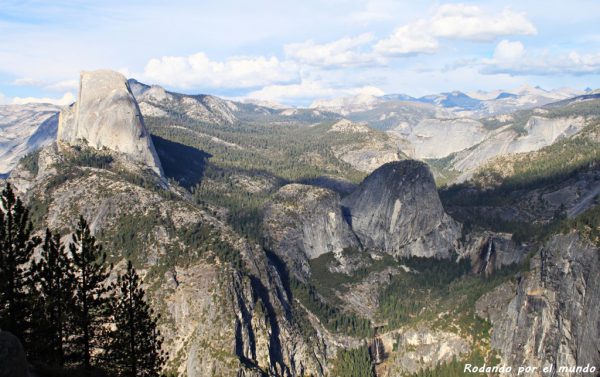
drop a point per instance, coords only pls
(59, 301)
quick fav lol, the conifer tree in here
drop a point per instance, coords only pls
(55, 284)
(135, 349)
(16, 247)
(90, 305)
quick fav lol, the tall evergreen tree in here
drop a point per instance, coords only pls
(135, 349)
(55, 284)
(90, 306)
(16, 247)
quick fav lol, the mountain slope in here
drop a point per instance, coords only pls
(24, 129)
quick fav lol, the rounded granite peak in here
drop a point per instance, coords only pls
(402, 170)
(397, 209)
(106, 115)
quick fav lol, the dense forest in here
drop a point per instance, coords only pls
(71, 319)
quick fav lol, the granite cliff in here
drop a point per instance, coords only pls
(549, 316)
(106, 115)
(304, 222)
(397, 209)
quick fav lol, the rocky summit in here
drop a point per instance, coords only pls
(397, 209)
(106, 115)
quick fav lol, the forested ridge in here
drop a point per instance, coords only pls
(71, 319)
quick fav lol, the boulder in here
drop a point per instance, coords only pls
(13, 362)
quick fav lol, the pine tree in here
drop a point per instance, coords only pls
(16, 248)
(135, 349)
(55, 284)
(90, 306)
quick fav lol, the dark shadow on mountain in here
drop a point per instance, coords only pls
(180, 162)
(46, 131)
(498, 208)
(338, 185)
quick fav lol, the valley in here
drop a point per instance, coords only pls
(379, 236)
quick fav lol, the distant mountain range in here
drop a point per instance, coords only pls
(429, 127)
(475, 104)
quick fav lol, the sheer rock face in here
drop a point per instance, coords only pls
(106, 115)
(397, 209)
(550, 316)
(304, 222)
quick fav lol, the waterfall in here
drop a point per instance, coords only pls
(377, 351)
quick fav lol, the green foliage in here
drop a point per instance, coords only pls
(220, 188)
(58, 304)
(327, 282)
(90, 157)
(16, 248)
(353, 363)
(587, 225)
(54, 283)
(419, 290)
(135, 346)
(330, 316)
(439, 292)
(293, 152)
(90, 306)
(590, 108)
(518, 121)
(552, 164)
(133, 232)
(30, 161)
(203, 240)
(549, 167)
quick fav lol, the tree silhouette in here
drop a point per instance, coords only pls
(55, 283)
(135, 348)
(16, 247)
(90, 306)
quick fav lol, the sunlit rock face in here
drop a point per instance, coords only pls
(106, 115)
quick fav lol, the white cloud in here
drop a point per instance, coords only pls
(2, 99)
(460, 21)
(512, 58)
(453, 21)
(309, 89)
(66, 99)
(27, 81)
(235, 72)
(408, 40)
(342, 53)
(507, 51)
(58, 86)
(63, 85)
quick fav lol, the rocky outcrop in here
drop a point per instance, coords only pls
(106, 115)
(397, 209)
(490, 251)
(537, 133)
(13, 362)
(155, 101)
(303, 222)
(413, 350)
(549, 316)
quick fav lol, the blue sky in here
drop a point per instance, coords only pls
(294, 52)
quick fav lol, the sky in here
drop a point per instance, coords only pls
(294, 52)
